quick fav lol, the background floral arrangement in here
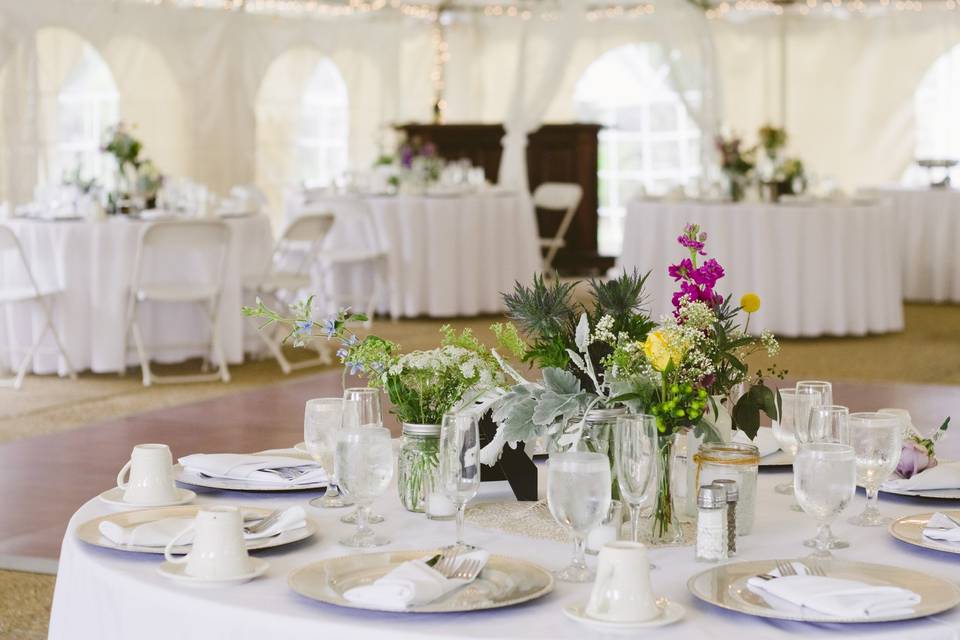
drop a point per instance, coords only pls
(136, 175)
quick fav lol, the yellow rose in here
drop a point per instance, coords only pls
(660, 350)
(750, 302)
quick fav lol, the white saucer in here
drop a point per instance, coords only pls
(176, 572)
(115, 497)
(301, 446)
(670, 612)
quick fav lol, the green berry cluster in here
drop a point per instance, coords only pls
(683, 406)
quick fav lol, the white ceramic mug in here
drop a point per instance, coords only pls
(151, 479)
(218, 550)
(622, 592)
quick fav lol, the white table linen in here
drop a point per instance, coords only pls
(449, 255)
(111, 595)
(929, 233)
(92, 264)
(819, 269)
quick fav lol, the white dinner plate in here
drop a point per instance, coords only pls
(725, 586)
(187, 476)
(778, 458)
(909, 529)
(939, 494)
(504, 582)
(89, 531)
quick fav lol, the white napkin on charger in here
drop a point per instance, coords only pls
(159, 532)
(946, 475)
(837, 597)
(410, 584)
(941, 527)
(236, 466)
(764, 441)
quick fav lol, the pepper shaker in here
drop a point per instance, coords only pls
(733, 495)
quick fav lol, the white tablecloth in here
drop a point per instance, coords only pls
(92, 263)
(819, 269)
(448, 255)
(111, 595)
(929, 234)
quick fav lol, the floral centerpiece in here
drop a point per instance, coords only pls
(136, 176)
(772, 140)
(415, 164)
(737, 163)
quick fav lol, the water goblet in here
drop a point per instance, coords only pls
(784, 431)
(825, 389)
(635, 451)
(322, 419)
(808, 395)
(578, 494)
(877, 440)
(364, 465)
(826, 423)
(369, 415)
(824, 483)
(459, 464)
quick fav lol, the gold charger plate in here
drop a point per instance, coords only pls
(725, 586)
(89, 531)
(909, 529)
(504, 582)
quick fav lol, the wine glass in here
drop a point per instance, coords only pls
(826, 423)
(322, 419)
(808, 395)
(825, 389)
(459, 468)
(364, 464)
(635, 451)
(368, 400)
(824, 483)
(877, 440)
(785, 433)
(578, 494)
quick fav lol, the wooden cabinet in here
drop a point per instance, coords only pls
(555, 153)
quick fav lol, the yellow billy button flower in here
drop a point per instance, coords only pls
(660, 350)
(750, 302)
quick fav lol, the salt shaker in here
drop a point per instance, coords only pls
(711, 524)
(733, 495)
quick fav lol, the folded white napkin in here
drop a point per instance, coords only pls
(253, 468)
(836, 597)
(941, 527)
(410, 584)
(946, 475)
(764, 441)
(159, 532)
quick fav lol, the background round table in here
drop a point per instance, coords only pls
(109, 595)
(449, 255)
(819, 268)
(92, 264)
(929, 233)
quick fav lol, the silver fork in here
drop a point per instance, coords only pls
(786, 568)
(447, 563)
(468, 570)
(262, 525)
(815, 570)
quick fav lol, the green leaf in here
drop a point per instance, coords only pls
(746, 413)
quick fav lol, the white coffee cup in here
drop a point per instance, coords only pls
(219, 550)
(151, 480)
(622, 592)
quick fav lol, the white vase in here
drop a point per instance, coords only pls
(720, 418)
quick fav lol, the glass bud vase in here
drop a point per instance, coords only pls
(418, 465)
(666, 528)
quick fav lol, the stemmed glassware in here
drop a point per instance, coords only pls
(322, 419)
(635, 453)
(578, 494)
(364, 464)
(459, 464)
(369, 415)
(825, 424)
(877, 440)
(824, 482)
(784, 431)
(825, 389)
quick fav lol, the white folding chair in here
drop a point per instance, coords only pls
(208, 240)
(12, 251)
(559, 197)
(289, 272)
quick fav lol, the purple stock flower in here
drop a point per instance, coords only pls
(681, 270)
(914, 458)
(708, 273)
(406, 156)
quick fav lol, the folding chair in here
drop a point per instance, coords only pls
(562, 198)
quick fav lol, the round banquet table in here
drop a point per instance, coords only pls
(929, 234)
(107, 594)
(91, 263)
(448, 255)
(819, 268)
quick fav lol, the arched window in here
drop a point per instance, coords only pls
(649, 142)
(324, 125)
(80, 100)
(936, 104)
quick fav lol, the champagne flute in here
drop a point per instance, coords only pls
(364, 464)
(784, 431)
(635, 451)
(877, 440)
(322, 419)
(824, 483)
(369, 415)
(826, 424)
(578, 494)
(459, 468)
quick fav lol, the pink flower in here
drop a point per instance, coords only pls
(914, 458)
(708, 274)
(682, 270)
